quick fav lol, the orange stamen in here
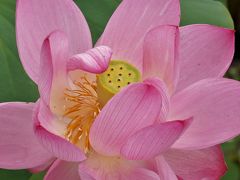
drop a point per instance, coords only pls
(82, 112)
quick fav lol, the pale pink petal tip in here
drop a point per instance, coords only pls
(95, 60)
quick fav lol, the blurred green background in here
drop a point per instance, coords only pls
(16, 86)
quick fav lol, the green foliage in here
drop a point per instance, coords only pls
(15, 84)
(205, 12)
(232, 156)
(97, 13)
(222, 1)
(14, 175)
(38, 176)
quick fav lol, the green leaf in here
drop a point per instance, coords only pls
(38, 176)
(12, 175)
(233, 171)
(97, 14)
(205, 12)
(15, 85)
(223, 1)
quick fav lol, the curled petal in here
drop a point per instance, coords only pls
(53, 67)
(94, 61)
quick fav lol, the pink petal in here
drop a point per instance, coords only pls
(143, 174)
(37, 19)
(164, 170)
(42, 167)
(161, 87)
(19, 148)
(90, 171)
(54, 55)
(98, 170)
(205, 52)
(85, 176)
(161, 55)
(58, 146)
(63, 170)
(135, 107)
(201, 164)
(131, 21)
(53, 80)
(95, 60)
(153, 140)
(214, 105)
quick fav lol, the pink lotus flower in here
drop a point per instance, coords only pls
(165, 125)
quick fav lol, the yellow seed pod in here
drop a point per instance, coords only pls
(118, 75)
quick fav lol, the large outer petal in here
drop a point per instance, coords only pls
(197, 165)
(135, 107)
(37, 19)
(19, 148)
(63, 170)
(214, 105)
(205, 52)
(131, 21)
(149, 142)
(161, 55)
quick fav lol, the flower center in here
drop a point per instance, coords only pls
(87, 98)
(118, 75)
